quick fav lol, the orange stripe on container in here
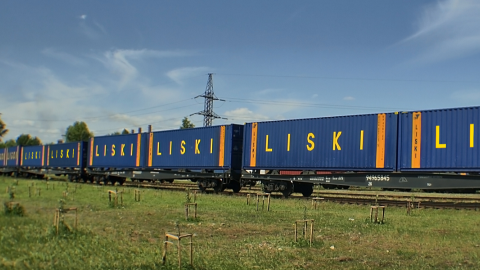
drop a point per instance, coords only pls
(221, 158)
(380, 162)
(150, 149)
(416, 139)
(21, 160)
(253, 146)
(91, 151)
(139, 140)
(43, 155)
(78, 155)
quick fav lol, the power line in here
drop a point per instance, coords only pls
(344, 78)
(305, 104)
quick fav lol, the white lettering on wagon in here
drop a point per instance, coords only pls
(385, 178)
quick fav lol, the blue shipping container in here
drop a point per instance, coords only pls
(344, 143)
(3, 157)
(216, 148)
(445, 140)
(13, 156)
(120, 151)
(65, 155)
(33, 156)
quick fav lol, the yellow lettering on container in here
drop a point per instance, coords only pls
(158, 149)
(288, 142)
(182, 147)
(197, 143)
(211, 145)
(266, 145)
(335, 140)
(56, 154)
(311, 144)
(68, 150)
(437, 139)
(105, 150)
(361, 139)
(91, 151)
(122, 150)
(170, 147)
(131, 149)
(96, 151)
(471, 135)
(113, 150)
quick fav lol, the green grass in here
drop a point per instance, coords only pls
(228, 233)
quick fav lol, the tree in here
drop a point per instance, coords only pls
(78, 132)
(125, 131)
(26, 140)
(3, 130)
(186, 124)
(7, 144)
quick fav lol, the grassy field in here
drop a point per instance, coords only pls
(228, 234)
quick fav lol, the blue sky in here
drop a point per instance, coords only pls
(128, 64)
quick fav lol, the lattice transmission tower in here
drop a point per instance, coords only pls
(208, 114)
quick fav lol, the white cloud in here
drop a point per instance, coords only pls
(241, 115)
(64, 57)
(466, 96)
(119, 61)
(448, 29)
(83, 16)
(348, 98)
(180, 74)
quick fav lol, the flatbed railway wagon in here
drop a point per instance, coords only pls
(114, 158)
(11, 160)
(431, 150)
(32, 161)
(439, 150)
(210, 156)
(361, 143)
(3, 159)
(68, 159)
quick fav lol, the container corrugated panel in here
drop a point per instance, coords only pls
(3, 157)
(120, 151)
(344, 143)
(13, 156)
(446, 140)
(33, 156)
(66, 155)
(216, 148)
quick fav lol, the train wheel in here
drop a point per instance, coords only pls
(235, 186)
(307, 192)
(219, 187)
(287, 192)
(201, 187)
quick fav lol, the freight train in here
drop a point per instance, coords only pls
(432, 150)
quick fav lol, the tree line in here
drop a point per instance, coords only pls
(77, 132)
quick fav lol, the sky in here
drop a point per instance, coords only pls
(130, 64)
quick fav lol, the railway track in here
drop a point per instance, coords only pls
(416, 200)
